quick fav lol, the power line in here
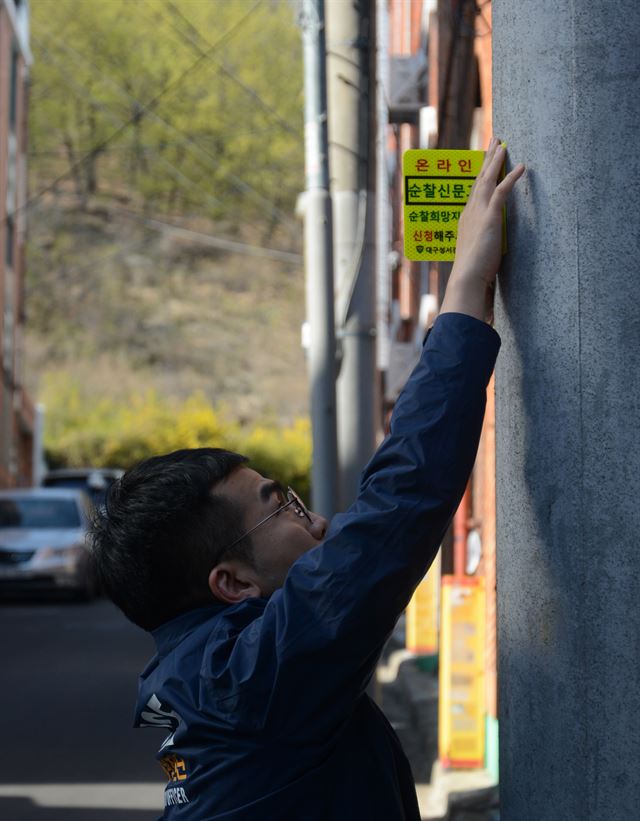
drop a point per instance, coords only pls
(224, 244)
(209, 158)
(56, 152)
(216, 241)
(81, 91)
(231, 75)
(172, 85)
(233, 246)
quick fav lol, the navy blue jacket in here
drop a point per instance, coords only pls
(265, 700)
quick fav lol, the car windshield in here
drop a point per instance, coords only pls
(38, 513)
(73, 482)
(96, 493)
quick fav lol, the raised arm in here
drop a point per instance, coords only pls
(479, 243)
(328, 623)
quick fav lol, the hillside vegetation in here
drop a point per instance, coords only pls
(145, 116)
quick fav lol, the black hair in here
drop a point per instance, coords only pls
(161, 532)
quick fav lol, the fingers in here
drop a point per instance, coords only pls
(486, 188)
(495, 163)
(506, 186)
(490, 154)
(488, 176)
(488, 157)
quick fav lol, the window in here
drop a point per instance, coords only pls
(45, 513)
(8, 324)
(13, 89)
(8, 241)
(6, 426)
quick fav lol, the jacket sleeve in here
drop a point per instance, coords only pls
(313, 650)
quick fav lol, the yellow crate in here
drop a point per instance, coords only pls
(461, 727)
(422, 613)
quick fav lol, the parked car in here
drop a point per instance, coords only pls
(94, 481)
(43, 541)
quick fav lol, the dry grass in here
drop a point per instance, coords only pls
(124, 308)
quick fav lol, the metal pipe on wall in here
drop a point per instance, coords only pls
(319, 264)
(349, 71)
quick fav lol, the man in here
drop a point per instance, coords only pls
(268, 621)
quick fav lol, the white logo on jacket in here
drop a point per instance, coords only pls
(158, 714)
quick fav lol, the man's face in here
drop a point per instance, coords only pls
(283, 538)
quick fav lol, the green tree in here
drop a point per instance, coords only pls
(208, 97)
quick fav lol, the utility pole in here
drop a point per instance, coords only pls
(383, 182)
(319, 264)
(350, 72)
(566, 98)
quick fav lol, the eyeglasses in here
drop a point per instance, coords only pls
(293, 500)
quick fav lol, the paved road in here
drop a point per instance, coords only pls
(68, 677)
(67, 689)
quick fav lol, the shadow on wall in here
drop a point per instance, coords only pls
(540, 384)
(538, 412)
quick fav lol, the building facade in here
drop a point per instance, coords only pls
(439, 96)
(16, 408)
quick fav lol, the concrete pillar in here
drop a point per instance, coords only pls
(566, 96)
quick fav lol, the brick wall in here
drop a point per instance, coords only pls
(16, 413)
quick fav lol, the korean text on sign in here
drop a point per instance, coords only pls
(437, 184)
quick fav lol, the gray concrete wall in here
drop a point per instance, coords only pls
(567, 98)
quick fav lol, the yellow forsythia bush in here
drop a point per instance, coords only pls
(81, 431)
(281, 453)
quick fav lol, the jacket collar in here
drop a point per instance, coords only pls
(172, 632)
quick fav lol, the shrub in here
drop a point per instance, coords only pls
(81, 430)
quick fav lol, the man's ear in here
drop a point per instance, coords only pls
(233, 581)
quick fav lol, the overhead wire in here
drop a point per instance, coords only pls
(205, 156)
(224, 244)
(252, 92)
(220, 67)
(82, 92)
(215, 241)
(114, 135)
(286, 125)
(170, 228)
(55, 152)
(175, 171)
(164, 227)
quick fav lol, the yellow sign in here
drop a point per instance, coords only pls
(437, 183)
(461, 725)
(422, 613)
